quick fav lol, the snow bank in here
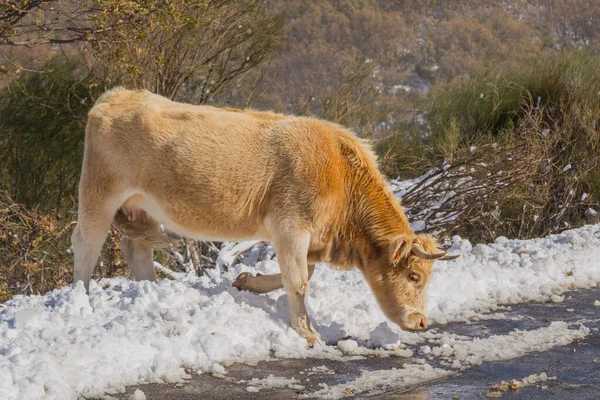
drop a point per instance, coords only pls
(513, 271)
(65, 343)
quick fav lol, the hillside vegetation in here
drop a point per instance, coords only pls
(514, 153)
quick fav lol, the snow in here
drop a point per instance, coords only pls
(395, 88)
(425, 349)
(500, 273)
(271, 381)
(465, 353)
(137, 395)
(384, 336)
(66, 344)
(404, 352)
(320, 370)
(348, 346)
(231, 251)
(377, 381)
(557, 299)
(499, 389)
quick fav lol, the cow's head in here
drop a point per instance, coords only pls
(399, 277)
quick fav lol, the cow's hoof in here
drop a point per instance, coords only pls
(312, 337)
(313, 341)
(241, 282)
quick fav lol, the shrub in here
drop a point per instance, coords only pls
(565, 87)
(527, 140)
(42, 120)
(34, 255)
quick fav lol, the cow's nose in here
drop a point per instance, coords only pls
(417, 321)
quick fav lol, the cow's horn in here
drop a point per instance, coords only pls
(419, 251)
(449, 257)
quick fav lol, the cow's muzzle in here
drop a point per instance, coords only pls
(415, 322)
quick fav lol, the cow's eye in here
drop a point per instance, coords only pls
(414, 278)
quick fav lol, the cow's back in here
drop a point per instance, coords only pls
(219, 168)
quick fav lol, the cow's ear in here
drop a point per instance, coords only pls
(400, 248)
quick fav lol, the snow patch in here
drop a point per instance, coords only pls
(272, 382)
(557, 299)
(499, 389)
(320, 370)
(384, 336)
(378, 381)
(348, 346)
(137, 395)
(462, 354)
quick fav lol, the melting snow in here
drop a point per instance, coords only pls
(137, 395)
(377, 381)
(271, 381)
(65, 344)
(465, 353)
(497, 390)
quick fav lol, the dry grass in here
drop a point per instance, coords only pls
(34, 257)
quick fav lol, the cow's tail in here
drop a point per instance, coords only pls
(147, 232)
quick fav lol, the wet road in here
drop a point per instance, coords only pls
(576, 366)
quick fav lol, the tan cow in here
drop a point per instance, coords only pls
(309, 186)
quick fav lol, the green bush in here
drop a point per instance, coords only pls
(565, 87)
(42, 123)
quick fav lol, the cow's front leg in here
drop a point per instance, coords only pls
(263, 283)
(291, 253)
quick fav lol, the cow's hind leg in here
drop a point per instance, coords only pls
(139, 256)
(89, 235)
(263, 283)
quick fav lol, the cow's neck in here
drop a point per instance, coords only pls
(373, 219)
(379, 215)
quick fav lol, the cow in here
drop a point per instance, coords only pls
(309, 186)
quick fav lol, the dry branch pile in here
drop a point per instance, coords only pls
(517, 186)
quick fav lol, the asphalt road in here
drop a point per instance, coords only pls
(576, 366)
